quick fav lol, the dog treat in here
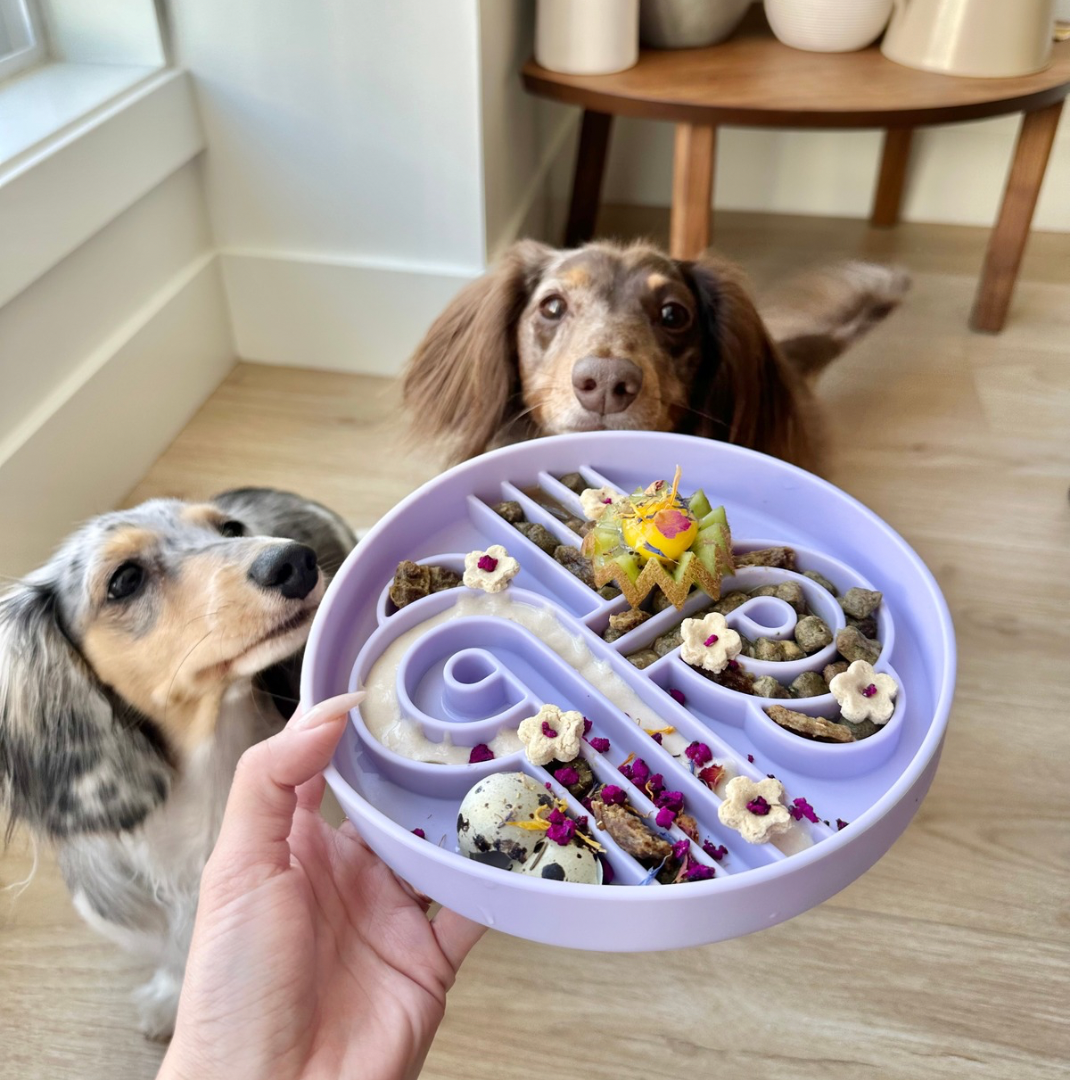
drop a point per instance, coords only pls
(412, 581)
(643, 658)
(728, 603)
(821, 580)
(576, 776)
(868, 627)
(510, 511)
(834, 669)
(574, 481)
(552, 733)
(631, 833)
(768, 687)
(575, 562)
(810, 727)
(809, 684)
(708, 643)
(595, 502)
(777, 651)
(608, 592)
(491, 570)
(782, 557)
(858, 603)
(812, 634)
(539, 536)
(864, 694)
(657, 538)
(756, 809)
(854, 645)
(622, 622)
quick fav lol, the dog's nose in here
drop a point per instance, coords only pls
(604, 385)
(290, 569)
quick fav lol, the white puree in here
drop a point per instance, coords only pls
(404, 736)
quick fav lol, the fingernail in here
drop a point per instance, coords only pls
(326, 711)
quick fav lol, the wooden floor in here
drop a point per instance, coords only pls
(949, 958)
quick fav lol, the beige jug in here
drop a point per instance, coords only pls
(980, 38)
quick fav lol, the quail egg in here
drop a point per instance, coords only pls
(574, 862)
(484, 832)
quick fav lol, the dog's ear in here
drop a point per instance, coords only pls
(745, 391)
(461, 383)
(72, 758)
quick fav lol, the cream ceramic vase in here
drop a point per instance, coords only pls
(586, 37)
(979, 38)
(828, 25)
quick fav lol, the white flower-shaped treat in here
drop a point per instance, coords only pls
(708, 643)
(757, 810)
(490, 570)
(551, 734)
(596, 501)
(864, 694)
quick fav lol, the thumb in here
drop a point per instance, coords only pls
(259, 814)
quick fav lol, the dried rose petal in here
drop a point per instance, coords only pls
(680, 848)
(601, 746)
(678, 695)
(671, 522)
(714, 851)
(841, 823)
(548, 730)
(486, 563)
(800, 809)
(869, 690)
(712, 639)
(639, 770)
(700, 872)
(611, 793)
(587, 727)
(420, 833)
(656, 783)
(480, 752)
(699, 753)
(665, 818)
(566, 776)
(670, 800)
(758, 805)
(711, 775)
(562, 832)
(606, 501)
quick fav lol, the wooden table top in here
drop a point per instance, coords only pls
(753, 79)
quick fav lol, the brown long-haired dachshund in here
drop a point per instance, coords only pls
(626, 338)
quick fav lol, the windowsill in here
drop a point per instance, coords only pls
(41, 103)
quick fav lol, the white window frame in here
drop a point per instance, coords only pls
(22, 16)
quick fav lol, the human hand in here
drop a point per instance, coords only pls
(309, 957)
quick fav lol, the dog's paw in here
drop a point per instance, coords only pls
(156, 1002)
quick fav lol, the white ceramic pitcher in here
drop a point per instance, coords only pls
(981, 38)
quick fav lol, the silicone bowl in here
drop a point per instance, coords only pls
(471, 676)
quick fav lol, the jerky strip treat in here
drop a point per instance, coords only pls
(810, 727)
(782, 557)
(631, 833)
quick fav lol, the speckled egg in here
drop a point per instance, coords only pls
(483, 832)
(574, 862)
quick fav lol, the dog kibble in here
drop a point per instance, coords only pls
(576, 563)
(539, 536)
(643, 658)
(809, 684)
(411, 582)
(768, 687)
(763, 590)
(747, 647)
(778, 651)
(862, 729)
(622, 622)
(821, 580)
(854, 645)
(812, 634)
(510, 511)
(782, 557)
(729, 603)
(791, 593)
(657, 601)
(834, 669)
(442, 579)
(738, 679)
(609, 592)
(574, 481)
(666, 643)
(859, 603)
(868, 626)
(810, 727)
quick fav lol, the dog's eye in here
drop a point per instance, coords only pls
(232, 529)
(553, 307)
(674, 317)
(126, 581)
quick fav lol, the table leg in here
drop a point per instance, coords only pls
(588, 177)
(691, 196)
(892, 172)
(1006, 248)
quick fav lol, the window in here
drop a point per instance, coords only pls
(21, 44)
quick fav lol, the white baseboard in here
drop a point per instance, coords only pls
(91, 441)
(339, 315)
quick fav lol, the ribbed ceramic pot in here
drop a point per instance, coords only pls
(828, 25)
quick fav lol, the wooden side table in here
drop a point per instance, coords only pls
(754, 80)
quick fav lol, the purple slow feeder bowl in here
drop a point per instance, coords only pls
(473, 675)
